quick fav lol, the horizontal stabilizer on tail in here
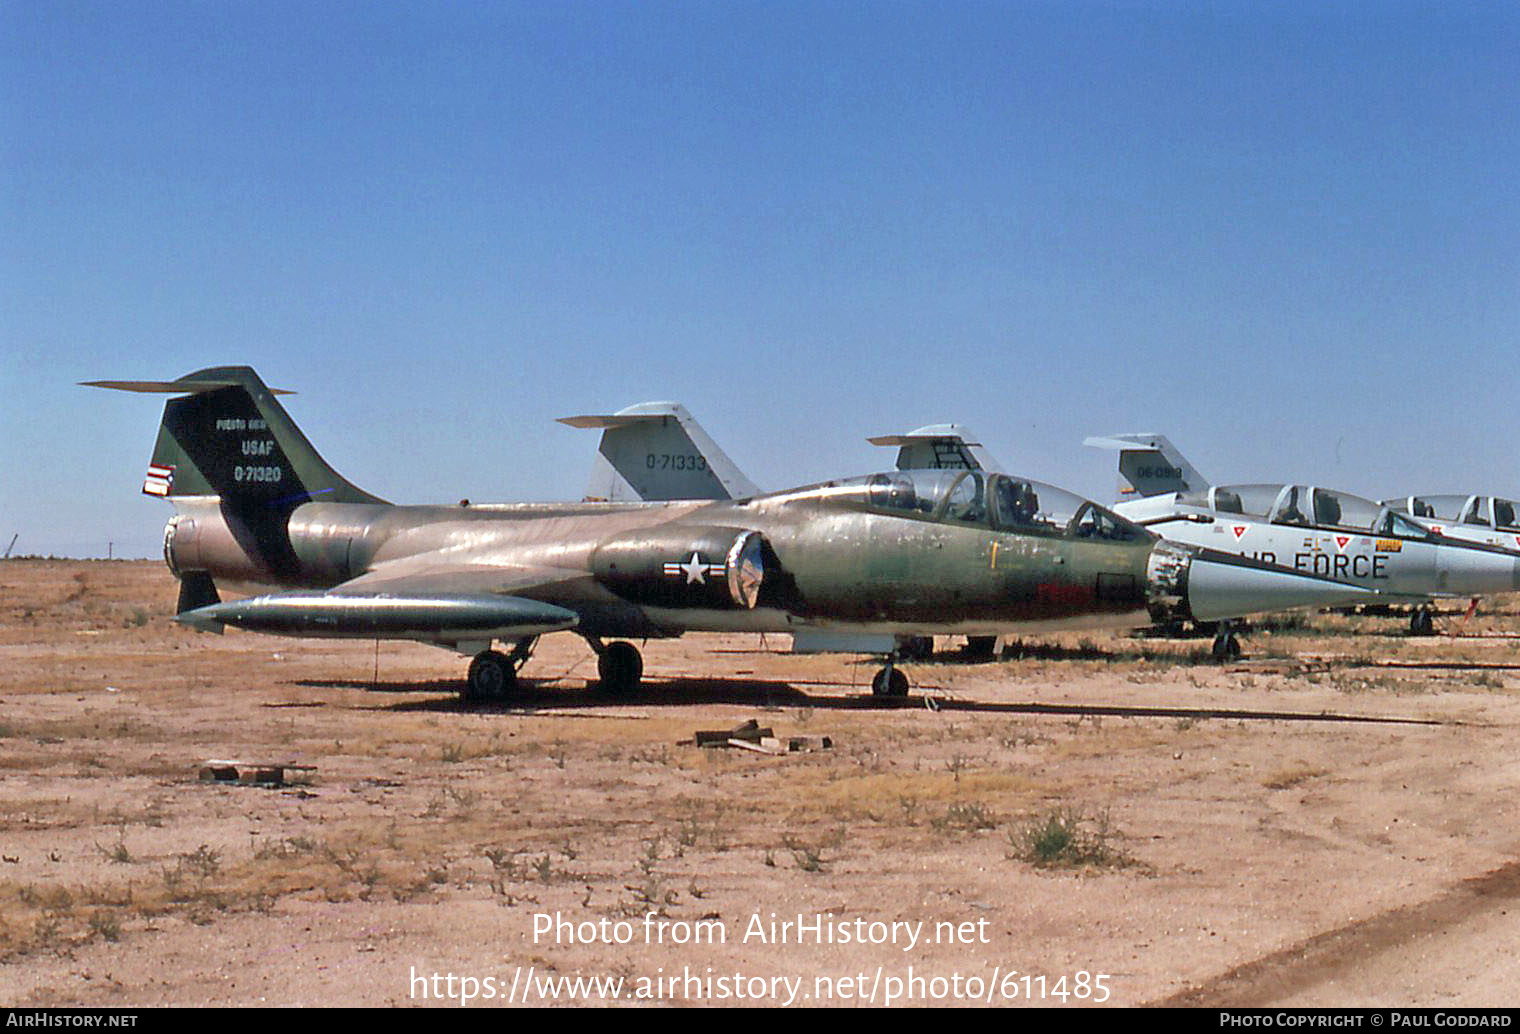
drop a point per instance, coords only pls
(190, 385)
(656, 452)
(614, 420)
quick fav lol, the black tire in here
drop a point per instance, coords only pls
(491, 677)
(1421, 622)
(620, 668)
(896, 686)
(981, 647)
(1226, 648)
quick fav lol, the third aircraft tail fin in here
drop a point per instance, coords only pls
(938, 447)
(1150, 465)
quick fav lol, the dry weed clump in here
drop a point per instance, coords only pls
(1294, 775)
(1067, 838)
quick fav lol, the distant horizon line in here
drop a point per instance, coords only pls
(64, 556)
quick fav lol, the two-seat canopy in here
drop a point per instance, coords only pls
(974, 497)
(1307, 506)
(1484, 511)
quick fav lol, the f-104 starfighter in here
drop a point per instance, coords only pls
(871, 559)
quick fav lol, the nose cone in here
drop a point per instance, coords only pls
(1208, 585)
(203, 619)
(1222, 585)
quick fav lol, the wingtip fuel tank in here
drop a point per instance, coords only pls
(319, 614)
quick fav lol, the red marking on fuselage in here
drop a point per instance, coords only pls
(1063, 595)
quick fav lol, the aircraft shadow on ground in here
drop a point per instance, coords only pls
(687, 692)
(680, 692)
(384, 686)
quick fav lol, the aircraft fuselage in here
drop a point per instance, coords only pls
(1390, 564)
(648, 570)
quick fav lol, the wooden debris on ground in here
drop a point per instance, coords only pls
(249, 773)
(756, 738)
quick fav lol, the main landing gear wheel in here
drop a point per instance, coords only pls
(492, 676)
(1421, 622)
(889, 682)
(1226, 647)
(981, 647)
(620, 668)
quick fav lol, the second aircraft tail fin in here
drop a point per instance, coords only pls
(656, 452)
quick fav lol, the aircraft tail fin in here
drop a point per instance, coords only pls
(1150, 465)
(656, 452)
(939, 447)
(225, 434)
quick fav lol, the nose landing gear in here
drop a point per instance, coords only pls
(1226, 646)
(1422, 622)
(889, 681)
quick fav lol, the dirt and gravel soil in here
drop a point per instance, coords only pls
(1331, 822)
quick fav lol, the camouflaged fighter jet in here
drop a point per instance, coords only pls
(942, 447)
(1490, 520)
(1330, 533)
(656, 451)
(873, 558)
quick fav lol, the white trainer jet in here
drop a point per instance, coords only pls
(1331, 533)
(1489, 519)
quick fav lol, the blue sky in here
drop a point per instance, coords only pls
(1283, 234)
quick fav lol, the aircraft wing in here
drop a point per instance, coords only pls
(488, 579)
